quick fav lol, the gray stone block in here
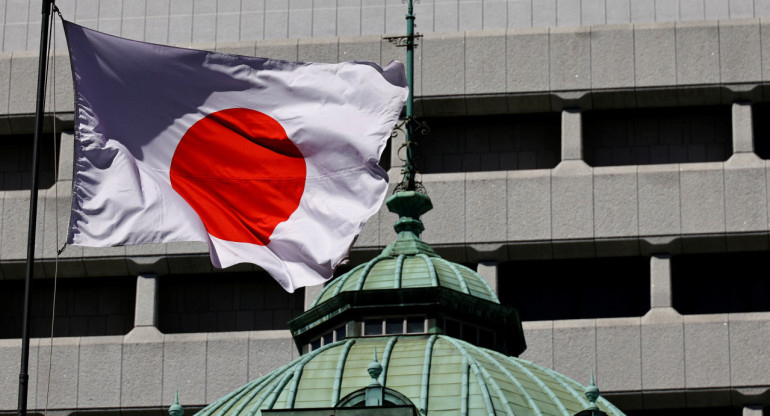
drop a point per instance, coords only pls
(655, 55)
(15, 37)
(572, 201)
(743, 128)
(16, 11)
(593, 12)
(252, 23)
(642, 11)
(495, 13)
(446, 222)
(485, 206)
(5, 73)
(749, 351)
(659, 204)
(349, 18)
(615, 202)
(703, 198)
(370, 233)
(666, 10)
(184, 368)
(157, 29)
(237, 48)
(660, 281)
(227, 23)
(484, 64)
(284, 49)
(180, 23)
(224, 363)
(23, 82)
(544, 13)
(539, 336)
(470, 16)
(612, 56)
(372, 17)
(519, 14)
(662, 355)
(318, 50)
(395, 11)
(697, 53)
(706, 353)
(63, 360)
(745, 195)
(142, 375)
(574, 348)
(739, 48)
(9, 373)
(741, 9)
(276, 19)
(570, 58)
(717, 9)
(691, 10)
(89, 10)
(440, 55)
(568, 12)
(324, 18)
(529, 205)
(15, 225)
(300, 18)
(99, 372)
(532, 73)
(618, 354)
(618, 11)
(571, 135)
(268, 350)
(761, 8)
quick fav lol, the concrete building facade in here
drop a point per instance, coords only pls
(602, 163)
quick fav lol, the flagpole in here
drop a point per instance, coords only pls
(409, 166)
(40, 107)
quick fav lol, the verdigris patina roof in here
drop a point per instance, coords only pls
(439, 374)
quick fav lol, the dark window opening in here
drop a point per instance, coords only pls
(224, 302)
(373, 327)
(16, 161)
(415, 325)
(394, 326)
(705, 411)
(488, 143)
(720, 283)
(761, 120)
(657, 136)
(576, 288)
(84, 307)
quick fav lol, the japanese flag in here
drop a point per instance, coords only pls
(269, 162)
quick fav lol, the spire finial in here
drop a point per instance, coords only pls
(592, 393)
(374, 369)
(176, 409)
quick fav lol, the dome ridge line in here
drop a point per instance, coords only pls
(460, 277)
(465, 387)
(426, 373)
(251, 396)
(365, 273)
(542, 385)
(397, 274)
(241, 393)
(291, 371)
(343, 357)
(431, 269)
(265, 394)
(386, 360)
(513, 379)
(484, 379)
(560, 378)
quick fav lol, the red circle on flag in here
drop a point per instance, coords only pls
(240, 172)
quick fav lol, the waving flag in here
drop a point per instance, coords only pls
(269, 162)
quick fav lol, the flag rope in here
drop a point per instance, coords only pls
(56, 158)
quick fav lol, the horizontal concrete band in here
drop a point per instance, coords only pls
(661, 351)
(731, 53)
(572, 207)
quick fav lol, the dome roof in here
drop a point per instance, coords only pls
(403, 271)
(408, 262)
(437, 373)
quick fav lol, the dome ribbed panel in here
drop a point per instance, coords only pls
(446, 276)
(415, 273)
(491, 379)
(477, 285)
(381, 276)
(331, 289)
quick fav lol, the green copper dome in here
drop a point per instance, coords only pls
(408, 262)
(440, 375)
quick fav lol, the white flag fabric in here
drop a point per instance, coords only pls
(269, 162)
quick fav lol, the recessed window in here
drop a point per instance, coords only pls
(373, 327)
(394, 326)
(415, 325)
(657, 135)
